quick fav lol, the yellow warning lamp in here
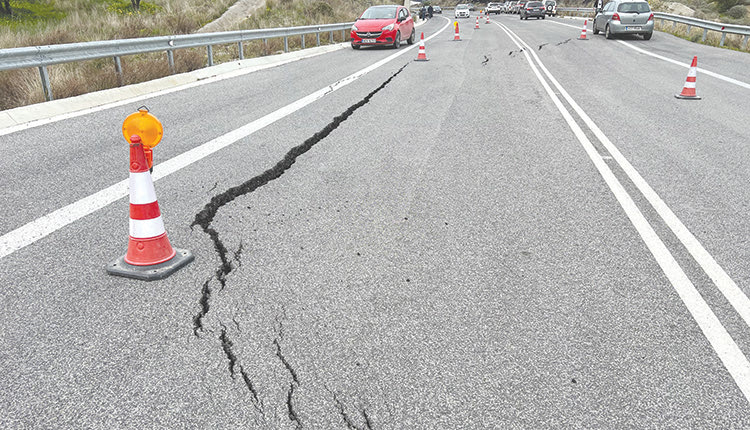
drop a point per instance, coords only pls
(144, 125)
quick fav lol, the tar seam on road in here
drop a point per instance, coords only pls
(207, 214)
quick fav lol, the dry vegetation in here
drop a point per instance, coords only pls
(89, 20)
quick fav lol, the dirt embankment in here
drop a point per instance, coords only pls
(236, 13)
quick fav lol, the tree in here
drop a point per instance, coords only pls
(136, 4)
(6, 8)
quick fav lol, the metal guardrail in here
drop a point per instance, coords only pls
(742, 30)
(43, 56)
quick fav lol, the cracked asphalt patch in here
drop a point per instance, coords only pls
(229, 260)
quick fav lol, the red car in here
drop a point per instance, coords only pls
(383, 25)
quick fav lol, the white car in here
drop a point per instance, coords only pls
(494, 8)
(551, 7)
(462, 11)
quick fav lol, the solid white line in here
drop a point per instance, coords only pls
(736, 297)
(669, 60)
(726, 348)
(47, 224)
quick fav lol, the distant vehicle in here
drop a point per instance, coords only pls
(462, 11)
(436, 9)
(533, 9)
(625, 17)
(471, 7)
(494, 8)
(551, 6)
(516, 8)
(383, 25)
(507, 5)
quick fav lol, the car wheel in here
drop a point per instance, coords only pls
(397, 42)
(412, 38)
(647, 36)
(543, 17)
(607, 33)
(355, 46)
(520, 16)
(595, 30)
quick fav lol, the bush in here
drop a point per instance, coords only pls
(724, 5)
(737, 12)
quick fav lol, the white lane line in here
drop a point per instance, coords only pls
(731, 291)
(726, 348)
(47, 224)
(669, 60)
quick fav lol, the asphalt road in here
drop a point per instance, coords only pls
(446, 255)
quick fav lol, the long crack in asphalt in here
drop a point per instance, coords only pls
(205, 217)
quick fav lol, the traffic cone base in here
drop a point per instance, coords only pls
(688, 91)
(120, 267)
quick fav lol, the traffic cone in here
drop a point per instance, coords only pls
(688, 91)
(488, 19)
(583, 30)
(456, 37)
(476, 27)
(422, 55)
(150, 255)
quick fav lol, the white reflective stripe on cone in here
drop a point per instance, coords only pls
(689, 84)
(692, 72)
(145, 228)
(141, 188)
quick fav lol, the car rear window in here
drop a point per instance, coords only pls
(534, 4)
(638, 7)
(550, 3)
(380, 13)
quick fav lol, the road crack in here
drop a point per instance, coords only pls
(205, 217)
(350, 424)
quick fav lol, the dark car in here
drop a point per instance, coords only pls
(532, 9)
(383, 25)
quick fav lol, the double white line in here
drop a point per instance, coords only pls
(726, 348)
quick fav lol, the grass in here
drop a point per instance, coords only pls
(47, 22)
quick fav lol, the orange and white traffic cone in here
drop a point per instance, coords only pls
(456, 37)
(488, 19)
(422, 55)
(583, 30)
(476, 27)
(150, 255)
(688, 91)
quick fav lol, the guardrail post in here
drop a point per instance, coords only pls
(744, 42)
(343, 36)
(723, 37)
(210, 50)
(688, 29)
(170, 59)
(242, 52)
(705, 33)
(303, 41)
(286, 44)
(45, 83)
(318, 37)
(118, 71)
(674, 25)
(330, 37)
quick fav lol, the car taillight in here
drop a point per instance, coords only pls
(651, 17)
(528, 8)
(616, 17)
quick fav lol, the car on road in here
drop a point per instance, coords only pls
(383, 25)
(532, 9)
(516, 8)
(494, 8)
(437, 9)
(471, 6)
(551, 7)
(625, 17)
(462, 11)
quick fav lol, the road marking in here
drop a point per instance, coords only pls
(669, 60)
(29, 233)
(723, 344)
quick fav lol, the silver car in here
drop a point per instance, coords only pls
(625, 17)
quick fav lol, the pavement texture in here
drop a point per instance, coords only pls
(428, 247)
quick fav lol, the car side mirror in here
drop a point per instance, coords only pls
(401, 19)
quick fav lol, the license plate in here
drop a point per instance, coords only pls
(633, 28)
(368, 40)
